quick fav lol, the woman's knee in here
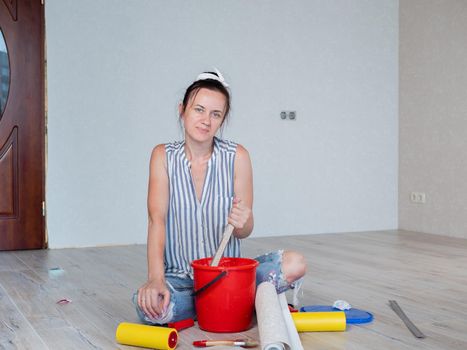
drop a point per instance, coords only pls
(293, 265)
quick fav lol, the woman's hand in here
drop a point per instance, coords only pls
(239, 215)
(154, 297)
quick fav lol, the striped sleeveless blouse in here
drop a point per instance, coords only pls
(194, 228)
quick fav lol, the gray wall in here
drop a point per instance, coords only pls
(117, 69)
(433, 116)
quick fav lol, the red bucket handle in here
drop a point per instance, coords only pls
(210, 283)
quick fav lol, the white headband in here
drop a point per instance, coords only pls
(208, 75)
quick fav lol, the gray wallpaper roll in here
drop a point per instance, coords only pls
(275, 325)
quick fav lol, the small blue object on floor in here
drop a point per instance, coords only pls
(56, 272)
(353, 316)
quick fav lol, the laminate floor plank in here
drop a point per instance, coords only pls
(10, 262)
(425, 273)
(67, 324)
(15, 330)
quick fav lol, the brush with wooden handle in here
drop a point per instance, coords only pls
(244, 343)
(225, 239)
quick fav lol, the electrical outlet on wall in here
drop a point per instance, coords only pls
(418, 197)
(289, 115)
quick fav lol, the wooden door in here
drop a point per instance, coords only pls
(22, 125)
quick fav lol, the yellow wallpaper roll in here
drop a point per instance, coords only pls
(332, 321)
(162, 338)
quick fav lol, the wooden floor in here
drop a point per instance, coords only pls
(425, 274)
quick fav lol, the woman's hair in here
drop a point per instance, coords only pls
(215, 84)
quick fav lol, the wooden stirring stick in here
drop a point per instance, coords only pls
(225, 239)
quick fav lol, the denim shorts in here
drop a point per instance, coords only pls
(182, 304)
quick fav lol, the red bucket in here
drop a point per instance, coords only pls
(225, 294)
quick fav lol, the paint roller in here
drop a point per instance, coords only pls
(319, 321)
(154, 337)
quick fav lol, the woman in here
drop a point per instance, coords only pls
(196, 187)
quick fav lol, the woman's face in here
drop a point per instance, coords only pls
(203, 115)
